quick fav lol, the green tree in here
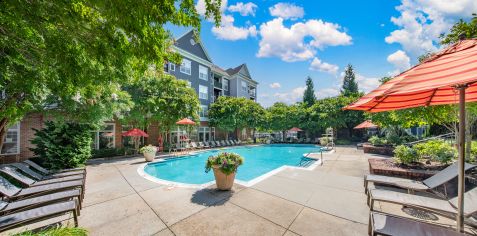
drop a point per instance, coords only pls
(54, 52)
(163, 99)
(279, 118)
(253, 115)
(309, 97)
(350, 86)
(467, 29)
(226, 113)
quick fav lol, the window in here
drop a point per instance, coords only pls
(204, 111)
(11, 143)
(203, 72)
(225, 84)
(104, 138)
(244, 87)
(172, 67)
(185, 66)
(205, 133)
(203, 92)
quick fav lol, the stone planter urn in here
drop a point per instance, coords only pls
(149, 152)
(223, 181)
(225, 167)
(149, 156)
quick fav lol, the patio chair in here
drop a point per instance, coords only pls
(387, 224)
(11, 192)
(28, 203)
(37, 176)
(178, 148)
(428, 184)
(202, 145)
(217, 144)
(38, 214)
(229, 143)
(233, 141)
(446, 208)
(194, 145)
(63, 172)
(28, 182)
(211, 144)
(239, 142)
(222, 142)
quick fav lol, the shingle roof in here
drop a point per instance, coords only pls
(219, 70)
(233, 71)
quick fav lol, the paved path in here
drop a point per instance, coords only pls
(326, 201)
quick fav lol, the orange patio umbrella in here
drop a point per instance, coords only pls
(367, 124)
(449, 77)
(185, 121)
(295, 129)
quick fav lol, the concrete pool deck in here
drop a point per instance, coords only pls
(328, 200)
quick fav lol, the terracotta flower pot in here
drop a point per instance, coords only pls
(223, 181)
(149, 156)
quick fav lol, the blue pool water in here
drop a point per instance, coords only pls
(258, 161)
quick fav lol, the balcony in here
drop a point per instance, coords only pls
(217, 84)
(252, 93)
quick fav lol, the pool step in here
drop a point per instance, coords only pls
(305, 162)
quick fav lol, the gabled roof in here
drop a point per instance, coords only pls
(243, 70)
(219, 70)
(198, 49)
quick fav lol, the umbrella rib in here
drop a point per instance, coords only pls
(430, 98)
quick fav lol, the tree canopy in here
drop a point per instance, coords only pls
(309, 97)
(350, 86)
(70, 56)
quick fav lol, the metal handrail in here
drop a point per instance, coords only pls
(442, 136)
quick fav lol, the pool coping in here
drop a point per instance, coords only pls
(142, 173)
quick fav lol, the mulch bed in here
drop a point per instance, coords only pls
(418, 171)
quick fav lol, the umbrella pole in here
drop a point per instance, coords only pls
(461, 183)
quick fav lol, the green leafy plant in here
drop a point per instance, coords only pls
(111, 152)
(325, 140)
(148, 149)
(56, 232)
(377, 141)
(226, 162)
(405, 155)
(63, 145)
(436, 150)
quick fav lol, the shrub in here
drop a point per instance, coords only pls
(473, 151)
(436, 150)
(377, 141)
(63, 145)
(148, 149)
(111, 152)
(226, 162)
(405, 155)
(56, 232)
(325, 140)
(343, 142)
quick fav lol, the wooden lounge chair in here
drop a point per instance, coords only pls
(37, 176)
(58, 173)
(11, 192)
(386, 224)
(446, 208)
(428, 184)
(29, 182)
(38, 214)
(28, 203)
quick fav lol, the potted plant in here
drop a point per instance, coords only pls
(149, 152)
(225, 166)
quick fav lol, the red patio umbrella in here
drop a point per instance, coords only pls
(135, 133)
(295, 129)
(185, 121)
(449, 77)
(367, 124)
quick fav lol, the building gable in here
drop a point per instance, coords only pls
(188, 43)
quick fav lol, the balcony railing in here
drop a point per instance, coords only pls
(252, 93)
(217, 84)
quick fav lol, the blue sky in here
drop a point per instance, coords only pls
(284, 42)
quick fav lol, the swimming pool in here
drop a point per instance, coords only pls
(259, 160)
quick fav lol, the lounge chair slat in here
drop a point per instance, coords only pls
(445, 175)
(7, 188)
(33, 215)
(29, 202)
(50, 187)
(393, 225)
(27, 171)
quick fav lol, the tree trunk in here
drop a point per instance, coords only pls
(3, 131)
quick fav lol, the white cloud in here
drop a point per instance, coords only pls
(244, 9)
(290, 97)
(200, 6)
(327, 92)
(287, 11)
(228, 31)
(275, 85)
(318, 65)
(366, 84)
(400, 60)
(289, 44)
(422, 21)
